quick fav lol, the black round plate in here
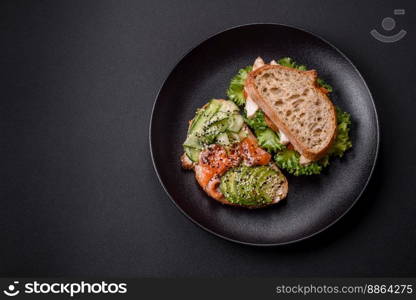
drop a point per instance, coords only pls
(314, 202)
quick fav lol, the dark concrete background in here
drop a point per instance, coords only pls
(78, 193)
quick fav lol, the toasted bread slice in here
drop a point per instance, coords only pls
(291, 99)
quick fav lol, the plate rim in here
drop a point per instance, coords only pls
(376, 154)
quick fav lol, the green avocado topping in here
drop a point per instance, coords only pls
(251, 186)
(219, 122)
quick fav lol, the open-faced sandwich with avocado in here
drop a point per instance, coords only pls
(228, 163)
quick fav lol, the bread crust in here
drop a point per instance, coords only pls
(285, 184)
(273, 115)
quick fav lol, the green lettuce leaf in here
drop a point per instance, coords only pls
(289, 160)
(235, 91)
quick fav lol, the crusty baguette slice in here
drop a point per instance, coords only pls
(296, 105)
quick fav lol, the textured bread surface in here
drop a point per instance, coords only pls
(291, 99)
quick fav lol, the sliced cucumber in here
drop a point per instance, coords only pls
(220, 115)
(222, 139)
(250, 186)
(236, 122)
(242, 134)
(228, 185)
(228, 106)
(270, 187)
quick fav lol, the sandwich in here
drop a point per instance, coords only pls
(279, 116)
(227, 161)
(289, 109)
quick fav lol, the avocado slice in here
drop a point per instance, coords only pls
(244, 188)
(254, 196)
(252, 182)
(250, 186)
(218, 121)
(218, 116)
(209, 135)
